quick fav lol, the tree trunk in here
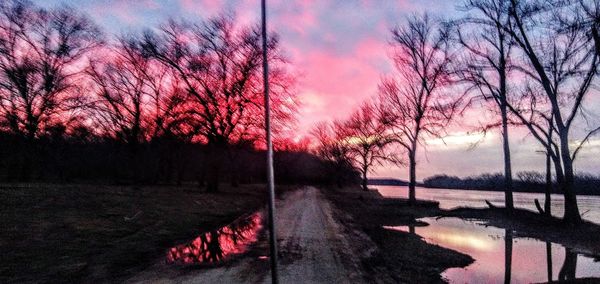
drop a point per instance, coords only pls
(338, 180)
(235, 181)
(548, 189)
(508, 182)
(572, 215)
(27, 164)
(558, 170)
(364, 180)
(212, 181)
(201, 178)
(134, 163)
(412, 197)
(215, 157)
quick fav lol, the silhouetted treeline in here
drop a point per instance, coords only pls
(176, 103)
(63, 158)
(585, 184)
(387, 181)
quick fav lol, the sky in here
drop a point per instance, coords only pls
(340, 51)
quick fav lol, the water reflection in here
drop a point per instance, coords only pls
(549, 260)
(502, 257)
(508, 242)
(569, 268)
(218, 245)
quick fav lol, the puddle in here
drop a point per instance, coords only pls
(219, 245)
(500, 256)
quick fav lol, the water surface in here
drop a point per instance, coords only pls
(499, 255)
(218, 245)
(589, 206)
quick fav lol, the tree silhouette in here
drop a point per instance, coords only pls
(415, 104)
(334, 152)
(365, 138)
(219, 65)
(563, 62)
(40, 54)
(486, 66)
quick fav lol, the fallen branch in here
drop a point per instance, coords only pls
(129, 219)
(492, 206)
(539, 207)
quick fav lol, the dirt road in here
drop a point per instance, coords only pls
(307, 228)
(313, 246)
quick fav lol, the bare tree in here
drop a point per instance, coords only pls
(588, 18)
(531, 109)
(486, 67)
(40, 54)
(219, 65)
(331, 149)
(122, 89)
(125, 85)
(415, 103)
(550, 153)
(170, 121)
(365, 137)
(563, 62)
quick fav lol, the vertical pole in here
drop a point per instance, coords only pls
(270, 175)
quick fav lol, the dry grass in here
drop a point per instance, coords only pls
(73, 233)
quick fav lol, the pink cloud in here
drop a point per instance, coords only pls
(333, 86)
(297, 16)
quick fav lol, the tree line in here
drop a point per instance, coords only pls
(526, 181)
(176, 103)
(531, 63)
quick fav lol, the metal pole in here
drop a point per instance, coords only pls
(270, 175)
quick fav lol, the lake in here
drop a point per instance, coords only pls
(589, 205)
(530, 260)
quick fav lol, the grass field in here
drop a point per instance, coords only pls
(74, 233)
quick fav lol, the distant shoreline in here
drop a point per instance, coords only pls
(392, 182)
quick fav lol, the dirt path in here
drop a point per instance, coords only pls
(312, 245)
(306, 227)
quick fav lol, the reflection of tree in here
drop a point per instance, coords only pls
(216, 245)
(549, 260)
(508, 238)
(567, 272)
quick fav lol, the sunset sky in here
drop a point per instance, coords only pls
(339, 50)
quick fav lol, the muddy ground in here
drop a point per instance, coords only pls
(400, 257)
